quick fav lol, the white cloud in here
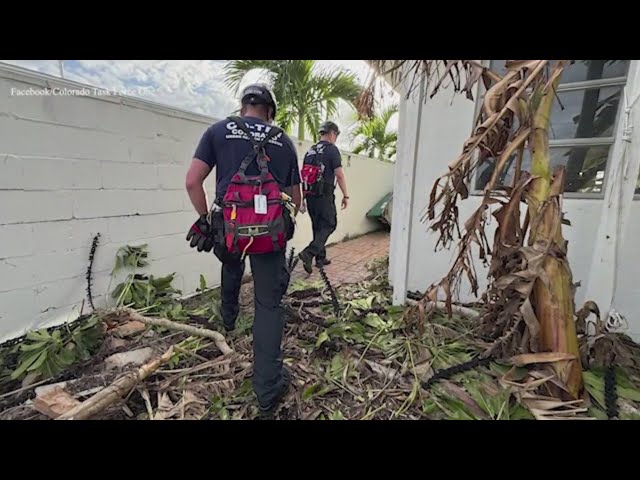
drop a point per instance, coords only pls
(49, 67)
(193, 85)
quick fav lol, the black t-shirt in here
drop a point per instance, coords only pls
(330, 157)
(225, 146)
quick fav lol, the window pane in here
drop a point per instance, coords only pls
(581, 70)
(585, 168)
(585, 113)
(584, 70)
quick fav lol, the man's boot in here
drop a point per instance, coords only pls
(267, 412)
(322, 262)
(306, 259)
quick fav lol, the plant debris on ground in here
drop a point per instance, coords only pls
(370, 363)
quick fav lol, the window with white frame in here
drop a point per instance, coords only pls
(583, 123)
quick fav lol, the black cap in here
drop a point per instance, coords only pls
(259, 94)
(326, 127)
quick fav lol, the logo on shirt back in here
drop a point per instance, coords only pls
(316, 149)
(258, 132)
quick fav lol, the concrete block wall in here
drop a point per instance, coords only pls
(75, 166)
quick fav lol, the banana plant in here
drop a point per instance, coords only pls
(530, 298)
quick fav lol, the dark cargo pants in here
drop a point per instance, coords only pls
(270, 278)
(324, 219)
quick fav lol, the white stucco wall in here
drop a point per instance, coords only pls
(443, 125)
(74, 166)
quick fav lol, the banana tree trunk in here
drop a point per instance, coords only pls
(552, 296)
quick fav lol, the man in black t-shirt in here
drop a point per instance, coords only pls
(224, 146)
(322, 208)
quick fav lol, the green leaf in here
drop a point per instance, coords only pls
(130, 261)
(299, 285)
(39, 335)
(309, 391)
(27, 347)
(597, 413)
(374, 320)
(323, 337)
(119, 264)
(215, 311)
(91, 322)
(128, 297)
(203, 283)
(163, 283)
(362, 303)
(369, 301)
(38, 362)
(429, 406)
(118, 290)
(595, 386)
(25, 364)
(200, 312)
(395, 309)
(66, 357)
(519, 412)
(245, 389)
(628, 393)
(337, 415)
(337, 366)
(457, 410)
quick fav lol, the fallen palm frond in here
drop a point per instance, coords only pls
(372, 363)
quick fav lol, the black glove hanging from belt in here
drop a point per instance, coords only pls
(201, 235)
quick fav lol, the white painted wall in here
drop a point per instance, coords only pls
(444, 124)
(73, 166)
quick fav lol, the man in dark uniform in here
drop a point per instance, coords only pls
(224, 146)
(322, 208)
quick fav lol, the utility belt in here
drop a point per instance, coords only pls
(324, 189)
(217, 221)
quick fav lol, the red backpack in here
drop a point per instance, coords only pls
(312, 174)
(253, 207)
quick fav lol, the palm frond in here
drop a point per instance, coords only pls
(312, 123)
(373, 136)
(337, 84)
(300, 87)
(286, 118)
(236, 70)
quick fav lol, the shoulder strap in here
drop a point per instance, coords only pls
(257, 150)
(319, 154)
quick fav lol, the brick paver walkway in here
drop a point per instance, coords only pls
(349, 259)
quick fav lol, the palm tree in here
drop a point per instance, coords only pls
(306, 94)
(374, 139)
(530, 299)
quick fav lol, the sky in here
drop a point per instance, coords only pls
(193, 85)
